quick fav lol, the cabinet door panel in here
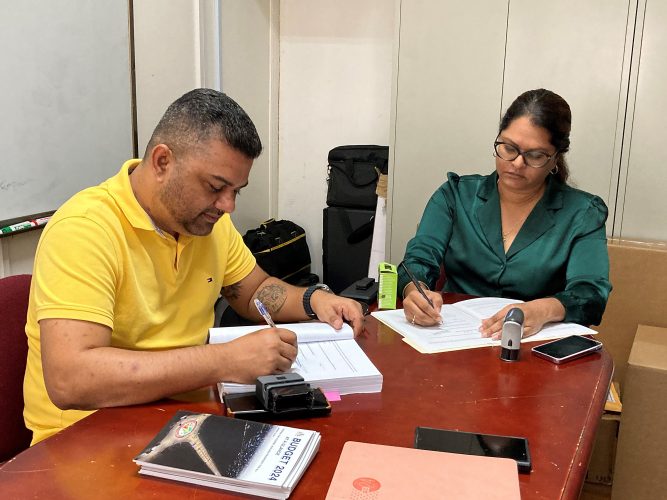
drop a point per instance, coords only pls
(575, 49)
(645, 196)
(448, 86)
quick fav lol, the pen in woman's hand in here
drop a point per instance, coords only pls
(265, 314)
(416, 283)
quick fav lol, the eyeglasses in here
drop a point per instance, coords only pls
(535, 159)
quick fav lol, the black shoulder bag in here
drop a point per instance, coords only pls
(353, 173)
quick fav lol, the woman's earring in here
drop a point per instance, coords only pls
(554, 170)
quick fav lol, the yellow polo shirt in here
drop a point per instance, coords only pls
(101, 259)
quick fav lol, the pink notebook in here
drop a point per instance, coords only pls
(377, 472)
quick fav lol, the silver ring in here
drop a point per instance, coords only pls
(413, 318)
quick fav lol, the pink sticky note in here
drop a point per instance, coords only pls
(332, 396)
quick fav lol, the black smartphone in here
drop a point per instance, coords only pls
(470, 443)
(566, 349)
(246, 405)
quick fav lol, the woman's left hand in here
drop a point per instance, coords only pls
(536, 314)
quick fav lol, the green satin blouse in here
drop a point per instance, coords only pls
(560, 251)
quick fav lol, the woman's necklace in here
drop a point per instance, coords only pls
(529, 204)
(509, 232)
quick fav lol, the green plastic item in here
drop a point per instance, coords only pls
(388, 280)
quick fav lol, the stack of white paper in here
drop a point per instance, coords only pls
(460, 326)
(329, 359)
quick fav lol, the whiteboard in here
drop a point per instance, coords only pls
(66, 100)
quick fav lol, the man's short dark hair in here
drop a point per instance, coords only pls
(201, 115)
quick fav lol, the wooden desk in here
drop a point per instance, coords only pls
(556, 407)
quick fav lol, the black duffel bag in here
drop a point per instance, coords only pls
(353, 173)
(280, 249)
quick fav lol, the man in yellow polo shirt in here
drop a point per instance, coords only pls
(127, 273)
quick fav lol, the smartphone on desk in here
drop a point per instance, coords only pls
(566, 349)
(247, 406)
(470, 443)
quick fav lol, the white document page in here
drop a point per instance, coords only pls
(484, 307)
(332, 360)
(313, 331)
(333, 365)
(328, 358)
(460, 327)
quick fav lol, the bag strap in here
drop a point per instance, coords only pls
(348, 171)
(355, 235)
(362, 232)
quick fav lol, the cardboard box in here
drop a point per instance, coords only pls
(641, 462)
(592, 491)
(638, 273)
(601, 465)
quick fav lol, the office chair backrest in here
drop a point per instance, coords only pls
(14, 293)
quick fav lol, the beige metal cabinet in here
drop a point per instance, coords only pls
(643, 193)
(448, 90)
(459, 65)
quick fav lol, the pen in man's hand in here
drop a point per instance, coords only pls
(416, 283)
(265, 314)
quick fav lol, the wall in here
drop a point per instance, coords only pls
(447, 104)
(166, 47)
(168, 51)
(447, 113)
(17, 253)
(643, 199)
(66, 100)
(250, 75)
(335, 89)
(334, 69)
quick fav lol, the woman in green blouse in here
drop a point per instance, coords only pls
(520, 232)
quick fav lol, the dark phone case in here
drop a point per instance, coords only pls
(366, 295)
(469, 443)
(246, 405)
(364, 283)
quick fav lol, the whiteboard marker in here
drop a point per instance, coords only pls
(41, 221)
(17, 227)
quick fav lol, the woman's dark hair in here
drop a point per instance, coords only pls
(549, 111)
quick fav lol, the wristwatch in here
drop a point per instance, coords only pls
(308, 294)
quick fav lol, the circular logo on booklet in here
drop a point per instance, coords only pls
(186, 428)
(366, 484)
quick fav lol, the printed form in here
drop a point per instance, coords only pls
(460, 326)
(327, 358)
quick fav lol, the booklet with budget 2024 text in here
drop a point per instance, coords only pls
(379, 472)
(460, 324)
(329, 359)
(230, 454)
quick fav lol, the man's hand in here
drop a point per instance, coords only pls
(333, 310)
(264, 352)
(536, 314)
(285, 302)
(418, 311)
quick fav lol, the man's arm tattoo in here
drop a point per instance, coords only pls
(273, 297)
(231, 292)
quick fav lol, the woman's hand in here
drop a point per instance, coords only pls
(536, 314)
(418, 311)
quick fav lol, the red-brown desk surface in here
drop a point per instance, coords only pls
(556, 407)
